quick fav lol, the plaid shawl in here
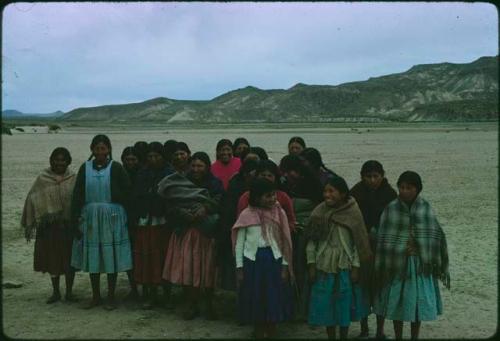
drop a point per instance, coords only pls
(394, 232)
(48, 201)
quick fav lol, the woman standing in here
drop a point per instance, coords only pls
(152, 234)
(337, 244)
(47, 211)
(226, 164)
(101, 191)
(180, 157)
(296, 145)
(239, 146)
(411, 256)
(193, 211)
(373, 193)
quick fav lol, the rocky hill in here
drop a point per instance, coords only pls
(444, 92)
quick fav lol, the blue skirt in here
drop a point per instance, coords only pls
(331, 302)
(360, 304)
(263, 296)
(105, 245)
(417, 298)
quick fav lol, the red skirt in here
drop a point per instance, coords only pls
(190, 260)
(53, 246)
(150, 246)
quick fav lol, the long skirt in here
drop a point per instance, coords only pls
(150, 246)
(302, 293)
(53, 249)
(331, 299)
(105, 245)
(360, 303)
(416, 298)
(190, 260)
(264, 296)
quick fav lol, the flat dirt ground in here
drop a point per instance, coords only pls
(459, 167)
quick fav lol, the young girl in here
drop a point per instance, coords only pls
(239, 146)
(338, 242)
(152, 233)
(193, 211)
(373, 193)
(263, 249)
(47, 211)
(101, 191)
(226, 164)
(411, 256)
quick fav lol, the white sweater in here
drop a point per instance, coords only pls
(249, 240)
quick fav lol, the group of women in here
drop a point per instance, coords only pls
(292, 239)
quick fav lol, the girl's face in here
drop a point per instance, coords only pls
(155, 160)
(252, 156)
(59, 164)
(240, 149)
(267, 175)
(180, 158)
(295, 148)
(292, 176)
(407, 192)
(267, 200)
(198, 169)
(101, 152)
(372, 180)
(333, 197)
(130, 161)
(225, 153)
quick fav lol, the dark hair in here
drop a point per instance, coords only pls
(411, 178)
(101, 138)
(372, 166)
(182, 146)
(291, 162)
(169, 148)
(259, 151)
(259, 187)
(310, 186)
(247, 166)
(298, 140)
(61, 151)
(203, 157)
(156, 147)
(128, 151)
(339, 184)
(222, 143)
(141, 149)
(268, 165)
(239, 141)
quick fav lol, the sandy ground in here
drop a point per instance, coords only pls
(459, 167)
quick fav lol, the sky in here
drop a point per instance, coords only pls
(62, 56)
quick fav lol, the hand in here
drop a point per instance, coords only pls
(312, 273)
(355, 275)
(239, 276)
(284, 273)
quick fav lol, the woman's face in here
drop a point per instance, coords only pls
(266, 174)
(372, 180)
(130, 161)
(268, 200)
(101, 152)
(292, 176)
(180, 158)
(295, 148)
(240, 149)
(59, 164)
(155, 160)
(407, 192)
(333, 197)
(225, 153)
(198, 169)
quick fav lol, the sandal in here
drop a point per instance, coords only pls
(70, 298)
(53, 298)
(92, 303)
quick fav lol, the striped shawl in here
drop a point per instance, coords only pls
(396, 222)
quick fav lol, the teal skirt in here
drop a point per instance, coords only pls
(416, 298)
(105, 245)
(331, 299)
(360, 303)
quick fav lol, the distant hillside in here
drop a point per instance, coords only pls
(445, 91)
(19, 114)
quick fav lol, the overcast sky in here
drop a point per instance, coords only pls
(61, 56)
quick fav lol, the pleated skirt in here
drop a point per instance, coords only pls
(150, 248)
(53, 246)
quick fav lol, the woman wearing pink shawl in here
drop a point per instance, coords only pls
(226, 164)
(263, 249)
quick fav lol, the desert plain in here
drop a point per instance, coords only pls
(458, 164)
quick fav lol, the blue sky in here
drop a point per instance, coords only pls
(61, 56)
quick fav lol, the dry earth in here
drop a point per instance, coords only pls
(459, 167)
